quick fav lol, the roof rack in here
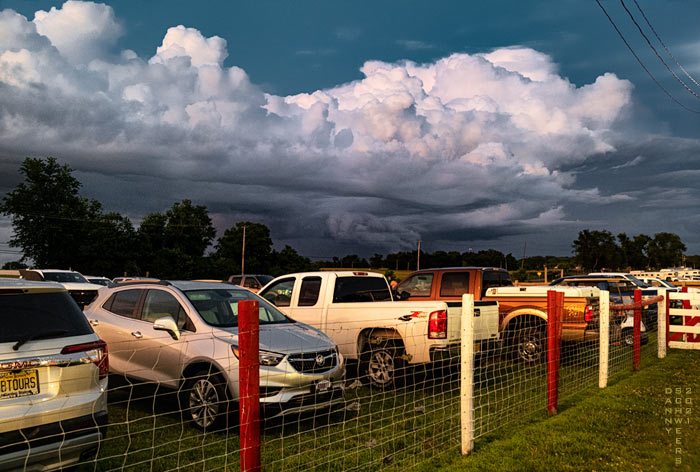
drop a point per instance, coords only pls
(138, 282)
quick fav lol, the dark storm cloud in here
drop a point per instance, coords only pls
(481, 147)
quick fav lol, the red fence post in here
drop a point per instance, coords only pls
(555, 302)
(637, 330)
(249, 383)
(668, 317)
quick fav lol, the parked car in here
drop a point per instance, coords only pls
(184, 335)
(253, 282)
(98, 280)
(621, 289)
(82, 291)
(521, 314)
(53, 379)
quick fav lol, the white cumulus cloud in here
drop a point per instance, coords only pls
(468, 142)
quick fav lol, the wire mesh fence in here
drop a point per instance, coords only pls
(370, 405)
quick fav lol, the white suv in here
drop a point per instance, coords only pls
(53, 379)
(82, 291)
(184, 335)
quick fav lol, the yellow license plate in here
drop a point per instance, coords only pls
(19, 384)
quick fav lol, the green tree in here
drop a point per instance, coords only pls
(258, 248)
(634, 250)
(172, 244)
(288, 261)
(596, 250)
(666, 250)
(49, 219)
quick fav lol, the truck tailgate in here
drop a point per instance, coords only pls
(485, 320)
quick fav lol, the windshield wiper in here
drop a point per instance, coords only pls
(46, 334)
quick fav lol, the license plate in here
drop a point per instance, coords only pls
(322, 386)
(19, 384)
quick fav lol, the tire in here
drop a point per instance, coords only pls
(204, 400)
(529, 344)
(383, 365)
(628, 337)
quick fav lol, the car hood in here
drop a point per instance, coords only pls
(287, 338)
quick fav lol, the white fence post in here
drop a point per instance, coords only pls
(604, 338)
(661, 323)
(467, 371)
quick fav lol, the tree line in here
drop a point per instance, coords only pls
(55, 227)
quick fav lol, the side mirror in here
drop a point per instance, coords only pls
(167, 323)
(404, 295)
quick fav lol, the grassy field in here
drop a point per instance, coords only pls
(417, 427)
(621, 428)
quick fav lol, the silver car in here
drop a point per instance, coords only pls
(184, 335)
(53, 379)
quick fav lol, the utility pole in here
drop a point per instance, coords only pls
(243, 254)
(418, 265)
(522, 263)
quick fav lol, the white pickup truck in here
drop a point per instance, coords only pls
(356, 310)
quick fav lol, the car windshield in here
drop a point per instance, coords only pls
(636, 281)
(219, 307)
(264, 279)
(65, 277)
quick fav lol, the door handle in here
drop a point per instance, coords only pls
(95, 322)
(137, 334)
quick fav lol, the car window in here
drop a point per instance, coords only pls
(219, 307)
(361, 289)
(250, 282)
(419, 285)
(454, 284)
(235, 279)
(65, 277)
(24, 314)
(309, 291)
(280, 294)
(159, 303)
(124, 303)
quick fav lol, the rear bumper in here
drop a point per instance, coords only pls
(53, 445)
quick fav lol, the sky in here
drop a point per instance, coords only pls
(363, 127)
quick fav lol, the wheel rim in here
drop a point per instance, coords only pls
(381, 368)
(204, 403)
(530, 346)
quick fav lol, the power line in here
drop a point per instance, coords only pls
(655, 51)
(664, 45)
(668, 94)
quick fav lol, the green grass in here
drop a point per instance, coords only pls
(417, 427)
(620, 428)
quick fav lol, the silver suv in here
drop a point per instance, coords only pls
(184, 335)
(53, 378)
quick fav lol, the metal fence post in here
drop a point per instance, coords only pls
(637, 330)
(249, 383)
(604, 338)
(467, 371)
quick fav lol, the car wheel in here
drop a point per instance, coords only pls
(204, 399)
(530, 344)
(383, 365)
(628, 337)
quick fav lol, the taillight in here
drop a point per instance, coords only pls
(588, 314)
(437, 325)
(97, 352)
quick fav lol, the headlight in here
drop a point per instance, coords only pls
(265, 357)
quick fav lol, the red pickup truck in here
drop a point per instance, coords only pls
(522, 310)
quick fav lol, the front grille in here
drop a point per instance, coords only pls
(83, 297)
(314, 362)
